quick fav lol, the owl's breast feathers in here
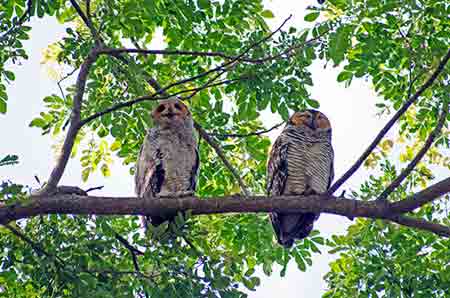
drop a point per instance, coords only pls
(168, 162)
(301, 162)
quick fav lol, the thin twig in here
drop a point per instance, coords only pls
(205, 85)
(390, 123)
(245, 135)
(61, 90)
(163, 90)
(138, 50)
(222, 156)
(67, 75)
(36, 247)
(128, 244)
(288, 51)
(94, 188)
(116, 272)
(87, 22)
(419, 155)
(153, 97)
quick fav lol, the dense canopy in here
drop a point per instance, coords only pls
(225, 62)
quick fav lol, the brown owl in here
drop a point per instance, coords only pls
(300, 163)
(168, 161)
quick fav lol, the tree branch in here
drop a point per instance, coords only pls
(421, 224)
(74, 127)
(88, 10)
(117, 51)
(221, 68)
(87, 20)
(36, 247)
(75, 204)
(127, 244)
(419, 155)
(255, 133)
(222, 156)
(421, 198)
(154, 97)
(390, 123)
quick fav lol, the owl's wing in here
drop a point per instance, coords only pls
(195, 168)
(331, 177)
(277, 172)
(277, 168)
(149, 175)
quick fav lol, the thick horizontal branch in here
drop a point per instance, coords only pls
(75, 204)
(390, 123)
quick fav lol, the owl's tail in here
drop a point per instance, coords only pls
(154, 220)
(289, 227)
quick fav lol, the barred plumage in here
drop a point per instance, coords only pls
(301, 162)
(168, 161)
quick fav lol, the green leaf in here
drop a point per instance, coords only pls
(344, 75)
(311, 17)
(2, 106)
(38, 122)
(267, 14)
(283, 110)
(313, 103)
(105, 170)
(10, 75)
(204, 4)
(339, 43)
(85, 174)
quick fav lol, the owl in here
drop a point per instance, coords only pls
(168, 161)
(300, 163)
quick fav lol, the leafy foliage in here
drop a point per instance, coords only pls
(394, 44)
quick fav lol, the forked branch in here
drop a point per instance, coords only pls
(74, 127)
(390, 123)
(419, 155)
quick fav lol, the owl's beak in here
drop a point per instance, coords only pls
(311, 124)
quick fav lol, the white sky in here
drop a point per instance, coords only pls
(351, 111)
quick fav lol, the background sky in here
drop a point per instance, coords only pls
(350, 110)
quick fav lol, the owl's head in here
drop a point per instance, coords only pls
(310, 119)
(171, 112)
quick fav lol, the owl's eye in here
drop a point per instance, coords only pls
(160, 109)
(178, 106)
